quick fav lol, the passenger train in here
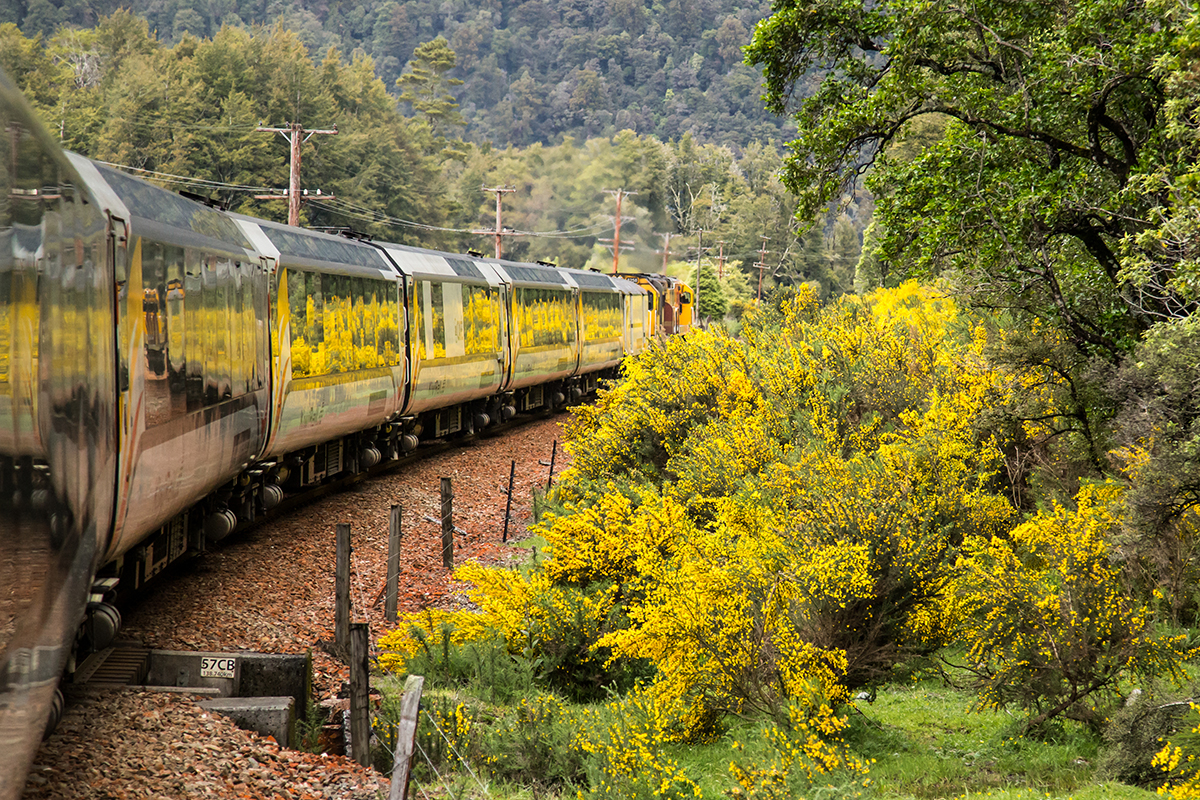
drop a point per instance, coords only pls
(169, 371)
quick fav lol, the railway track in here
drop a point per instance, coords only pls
(270, 589)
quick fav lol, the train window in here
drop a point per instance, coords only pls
(361, 316)
(176, 326)
(314, 325)
(388, 330)
(357, 323)
(437, 320)
(194, 337)
(154, 317)
(479, 320)
(217, 277)
(241, 343)
(601, 316)
(336, 334)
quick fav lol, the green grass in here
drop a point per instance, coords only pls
(926, 744)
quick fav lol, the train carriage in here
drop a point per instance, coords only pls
(57, 421)
(192, 361)
(638, 312)
(168, 370)
(456, 339)
(544, 333)
(338, 366)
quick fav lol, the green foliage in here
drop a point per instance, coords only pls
(427, 88)
(1051, 623)
(1180, 759)
(1135, 735)
(1026, 211)
(531, 73)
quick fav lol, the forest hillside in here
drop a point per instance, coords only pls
(532, 71)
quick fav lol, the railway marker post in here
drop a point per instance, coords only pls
(341, 600)
(392, 601)
(360, 709)
(447, 524)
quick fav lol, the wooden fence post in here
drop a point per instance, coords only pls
(406, 737)
(360, 686)
(391, 604)
(341, 600)
(512, 474)
(447, 524)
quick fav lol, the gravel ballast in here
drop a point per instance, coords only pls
(271, 590)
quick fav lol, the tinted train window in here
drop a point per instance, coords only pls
(199, 329)
(546, 317)
(601, 316)
(479, 320)
(341, 324)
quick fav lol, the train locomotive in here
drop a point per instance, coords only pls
(170, 371)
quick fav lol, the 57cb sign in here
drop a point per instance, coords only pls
(217, 666)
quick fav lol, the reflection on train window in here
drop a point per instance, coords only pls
(479, 320)
(199, 322)
(340, 323)
(601, 316)
(545, 317)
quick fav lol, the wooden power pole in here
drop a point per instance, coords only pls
(762, 254)
(617, 193)
(499, 190)
(297, 135)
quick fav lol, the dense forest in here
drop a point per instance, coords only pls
(186, 115)
(532, 71)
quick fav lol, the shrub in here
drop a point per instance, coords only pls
(806, 751)
(1135, 735)
(1049, 618)
(1180, 759)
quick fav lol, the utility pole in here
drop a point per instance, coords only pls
(762, 253)
(295, 134)
(618, 193)
(696, 291)
(721, 259)
(499, 190)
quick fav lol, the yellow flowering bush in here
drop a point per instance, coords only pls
(1049, 618)
(806, 750)
(628, 760)
(1180, 759)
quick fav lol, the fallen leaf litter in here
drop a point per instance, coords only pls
(271, 590)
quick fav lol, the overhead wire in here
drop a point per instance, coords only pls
(353, 210)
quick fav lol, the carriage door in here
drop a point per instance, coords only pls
(127, 422)
(505, 358)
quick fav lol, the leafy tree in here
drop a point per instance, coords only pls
(1028, 195)
(711, 295)
(427, 87)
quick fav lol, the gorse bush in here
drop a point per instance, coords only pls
(1180, 759)
(805, 751)
(1049, 618)
(753, 516)
(749, 524)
